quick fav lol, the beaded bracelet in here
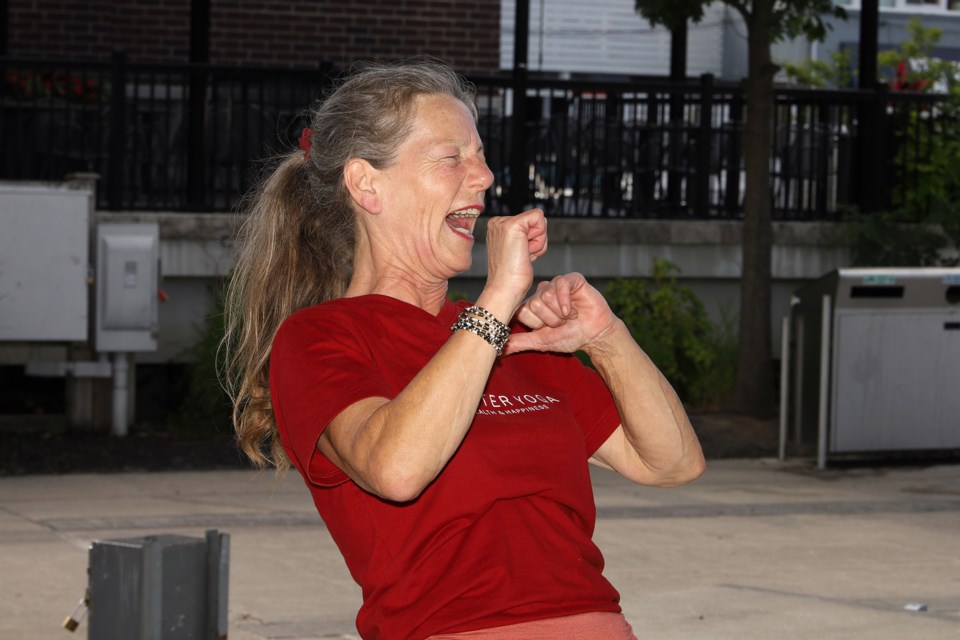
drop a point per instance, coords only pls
(481, 322)
(480, 312)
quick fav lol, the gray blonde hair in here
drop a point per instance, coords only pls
(295, 247)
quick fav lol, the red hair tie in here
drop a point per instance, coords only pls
(305, 142)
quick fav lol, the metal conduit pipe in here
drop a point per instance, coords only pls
(120, 369)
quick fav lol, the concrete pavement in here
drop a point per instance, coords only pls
(754, 549)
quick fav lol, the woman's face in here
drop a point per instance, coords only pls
(432, 194)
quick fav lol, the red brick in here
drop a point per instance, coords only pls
(286, 33)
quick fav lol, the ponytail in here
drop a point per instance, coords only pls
(290, 257)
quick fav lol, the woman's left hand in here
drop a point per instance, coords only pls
(565, 314)
(655, 443)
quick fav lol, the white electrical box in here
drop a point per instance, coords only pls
(44, 264)
(127, 284)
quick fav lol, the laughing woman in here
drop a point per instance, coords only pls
(446, 446)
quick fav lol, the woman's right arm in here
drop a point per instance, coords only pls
(395, 448)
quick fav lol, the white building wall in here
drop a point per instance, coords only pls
(608, 37)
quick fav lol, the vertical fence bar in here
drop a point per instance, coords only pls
(118, 107)
(138, 162)
(866, 159)
(213, 130)
(561, 111)
(674, 148)
(825, 147)
(701, 178)
(611, 167)
(881, 161)
(734, 156)
(196, 134)
(519, 179)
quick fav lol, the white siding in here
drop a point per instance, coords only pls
(608, 36)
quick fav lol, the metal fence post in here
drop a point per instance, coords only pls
(872, 188)
(701, 178)
(611, 191)
(519, 171)
(881, 162)
(197, 109)
(675, 144)
(196, 134)
(731, 201)
(118, 133)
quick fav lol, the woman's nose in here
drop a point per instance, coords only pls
(481, 177)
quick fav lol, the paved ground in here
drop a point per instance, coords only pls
(754, 549)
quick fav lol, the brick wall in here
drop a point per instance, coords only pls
(149, 30)
(465, 33)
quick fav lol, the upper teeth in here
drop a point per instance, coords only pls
(469, 213)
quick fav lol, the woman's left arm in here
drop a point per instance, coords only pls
(655, 444)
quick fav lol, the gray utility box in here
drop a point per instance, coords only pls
(877, 360)
(44, 248)
(128, 282)
(163, 587)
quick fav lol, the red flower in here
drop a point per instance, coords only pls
(902, 81)
(305, 142)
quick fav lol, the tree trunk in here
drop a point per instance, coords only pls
(753, 392)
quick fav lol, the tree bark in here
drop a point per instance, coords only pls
(753, 392)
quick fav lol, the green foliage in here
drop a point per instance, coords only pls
(205, 407)
(671, 13)
(670, 324)
(923, 228)
(912, 67)
(909, 67)
(788, 18)
(890, 239)
(820, 74)
(455, 295)
(713, 388)
(928, 177)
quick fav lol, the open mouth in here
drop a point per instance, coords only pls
(463, 221)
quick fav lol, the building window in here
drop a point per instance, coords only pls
(915, 6)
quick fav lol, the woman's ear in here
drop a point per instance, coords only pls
(360, 177)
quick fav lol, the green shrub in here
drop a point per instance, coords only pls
(205, 407)
(713, 385)
(671, 325)
(893, 239)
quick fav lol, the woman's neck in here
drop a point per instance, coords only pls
(429, 296)
(379, 272)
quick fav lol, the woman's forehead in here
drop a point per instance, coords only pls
(441, 119)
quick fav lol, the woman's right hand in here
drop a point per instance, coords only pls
(513, 243)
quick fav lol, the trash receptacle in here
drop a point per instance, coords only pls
(159, 587)
(876, 361)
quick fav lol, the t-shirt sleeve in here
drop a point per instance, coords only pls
(593, 404)
(319, 366)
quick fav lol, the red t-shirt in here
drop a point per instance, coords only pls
(503, 535)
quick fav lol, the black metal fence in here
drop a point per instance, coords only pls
(171, 137)
(192, 138)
